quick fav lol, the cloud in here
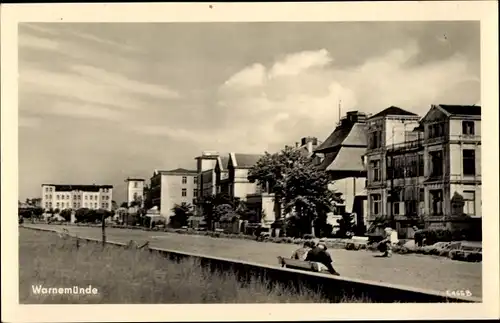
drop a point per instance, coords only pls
(85, 111)
(297, 63)
(29, 122)
(37, 43)
(299, 94)
(106, 78)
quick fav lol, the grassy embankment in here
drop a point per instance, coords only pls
(134, 276)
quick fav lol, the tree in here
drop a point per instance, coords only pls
(124, 204)
(114, 205)
(181, 214)
(148, 198)
(209, 203)
(66, 214)
(298, 185)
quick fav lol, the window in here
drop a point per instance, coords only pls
(103, 205)
(95, 205)
(57, 204)
(195, 192)
(375, 204)
(74, 204)
(195, 180)
(135, 184)
(375, 140)
(184, 192)
(57, 196)
(468, 127)
(91, 197)
(46, 205)
(436, 200)
(469, 202)
(469, 161)
(435, 130)
(436, 163)
(375, 170)
(184, 180)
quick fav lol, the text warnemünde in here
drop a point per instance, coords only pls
(75, 290)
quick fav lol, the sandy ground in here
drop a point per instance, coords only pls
(421, 271)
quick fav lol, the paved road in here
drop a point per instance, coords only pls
(421, 271)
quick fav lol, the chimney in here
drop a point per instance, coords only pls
(303, 141)
(309, 146)
(356, 116)
(296, 145)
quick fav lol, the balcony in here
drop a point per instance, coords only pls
(407, 145)
(466, 138)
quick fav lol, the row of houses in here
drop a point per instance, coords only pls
(391, 166)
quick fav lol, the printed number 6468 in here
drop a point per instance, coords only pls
(459, 292)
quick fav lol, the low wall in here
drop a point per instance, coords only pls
(333, 287)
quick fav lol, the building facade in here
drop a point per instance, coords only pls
(415, 167)
(452, 147)
(387, 129)
(341, 156)
(171, 187)
(135, 190)
(56, 196)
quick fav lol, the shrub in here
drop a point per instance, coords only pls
(308, 236)
(444, 253)
(350, 246)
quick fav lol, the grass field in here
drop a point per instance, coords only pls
(133, 276)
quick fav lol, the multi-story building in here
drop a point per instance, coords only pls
(222, 175)
(135, 190)
(171, 187)
(415, 166)
(238, 167)
(452, 150)
(388, 128)
(56, 196)
(341, 156)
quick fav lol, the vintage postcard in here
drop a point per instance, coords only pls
(249, 161)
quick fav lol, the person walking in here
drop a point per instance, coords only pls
(319, 255)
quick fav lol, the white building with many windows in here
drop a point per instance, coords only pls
(57, 196)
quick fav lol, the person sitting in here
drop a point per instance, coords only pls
(301, 253)
(322, 257)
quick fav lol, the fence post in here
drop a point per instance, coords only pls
(103, 230)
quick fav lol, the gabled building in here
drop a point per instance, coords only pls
(452, 149)
(238, 167)
(222, 175)
(416, 166)
(385, 130)
(341, 156)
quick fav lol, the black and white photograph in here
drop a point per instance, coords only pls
(252, 162)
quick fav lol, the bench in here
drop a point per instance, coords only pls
(299, 264)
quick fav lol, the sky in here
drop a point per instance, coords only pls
(100, 102)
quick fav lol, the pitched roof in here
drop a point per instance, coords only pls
(245, 160)
(85, 188)
(178, 171)
(223, 162)
(470, 110)
(347, 159)
(393, 111)
(347, 134)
